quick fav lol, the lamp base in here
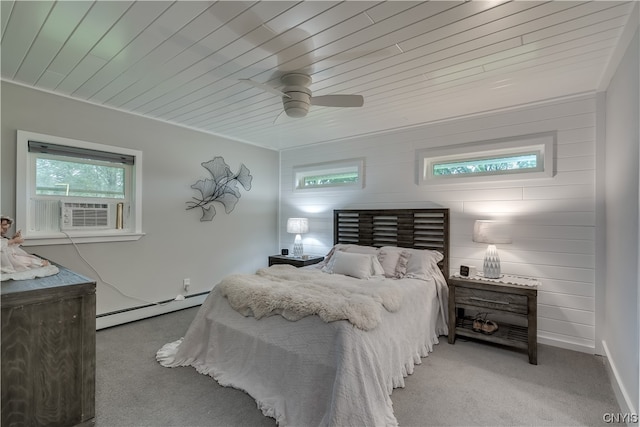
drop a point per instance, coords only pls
(297, 247)
(491, 263)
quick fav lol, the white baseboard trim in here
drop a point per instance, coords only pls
(622, 396)
(138, 313)
(583, 348)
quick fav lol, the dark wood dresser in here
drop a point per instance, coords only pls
(48, 351)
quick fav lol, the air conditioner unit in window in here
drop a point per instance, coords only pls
(86, 216)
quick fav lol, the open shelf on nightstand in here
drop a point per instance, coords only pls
(510, 335)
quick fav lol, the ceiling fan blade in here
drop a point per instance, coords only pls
(338, 100)
(265, 87)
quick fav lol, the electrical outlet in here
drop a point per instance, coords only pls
(185, 284)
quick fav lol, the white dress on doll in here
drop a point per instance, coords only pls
(17, 264)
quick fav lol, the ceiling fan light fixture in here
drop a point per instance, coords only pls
(297, 102)
(296, 112)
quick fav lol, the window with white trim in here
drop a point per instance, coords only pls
(523, 157)
(70, 189)
(342, 173)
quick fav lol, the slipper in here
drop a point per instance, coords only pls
(489, 327)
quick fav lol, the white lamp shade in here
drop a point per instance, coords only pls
(492, 232)
(297, 225)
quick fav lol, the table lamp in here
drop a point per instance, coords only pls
(491, 232)
(297, 226)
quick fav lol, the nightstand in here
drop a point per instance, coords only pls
(511, 302)
(295, 261)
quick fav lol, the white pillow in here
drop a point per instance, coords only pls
(357, 249)
(361, 266)
(423, 263)
(394, 261)
(376, 267)
(328, 257)
(346, 247)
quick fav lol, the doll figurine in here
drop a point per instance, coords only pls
(14, 260)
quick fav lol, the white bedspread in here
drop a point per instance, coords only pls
(313, 373)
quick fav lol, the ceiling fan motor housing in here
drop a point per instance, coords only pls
(297, 101)
(298, 95)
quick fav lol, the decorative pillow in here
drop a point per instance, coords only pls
(329, 256)
(376, 267)
(423, 263)
(394, 261)
(361, 266)
(345, 247)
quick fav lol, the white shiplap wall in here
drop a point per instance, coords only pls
(553, 218)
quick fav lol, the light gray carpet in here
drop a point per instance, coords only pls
(466, 384)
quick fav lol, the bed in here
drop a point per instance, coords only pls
(325, 345)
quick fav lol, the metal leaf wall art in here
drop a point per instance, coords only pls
(221, 188)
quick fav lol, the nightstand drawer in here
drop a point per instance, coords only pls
(493, 300)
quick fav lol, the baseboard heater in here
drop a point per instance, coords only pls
(119, 317)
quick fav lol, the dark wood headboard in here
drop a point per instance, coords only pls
(405, 228)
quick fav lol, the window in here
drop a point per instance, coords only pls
(68, 188)
(523, 157)
(331, 174)
(488, 165)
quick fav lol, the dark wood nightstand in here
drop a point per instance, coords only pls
(510, 301)
(295, 261)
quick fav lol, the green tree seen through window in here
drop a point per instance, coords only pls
(78, 179)
(484, 166)
(331, 179)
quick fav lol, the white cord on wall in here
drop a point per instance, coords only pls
(112, 286)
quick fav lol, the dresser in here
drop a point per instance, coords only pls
(48, 351)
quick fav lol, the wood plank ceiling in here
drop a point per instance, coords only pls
(414, 62)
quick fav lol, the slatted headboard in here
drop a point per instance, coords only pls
(405, 228)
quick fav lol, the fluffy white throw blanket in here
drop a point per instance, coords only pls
(295, 293)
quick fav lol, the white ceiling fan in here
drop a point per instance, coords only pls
(297, 97)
